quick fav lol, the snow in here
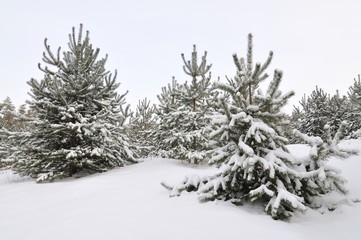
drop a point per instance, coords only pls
(130, 203)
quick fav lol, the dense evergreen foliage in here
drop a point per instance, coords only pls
(320, 109)
(254, 162)
(77, 124)
(78, 127)
(183, 127)
(312, 113)
(354, 113)
(142, 124)
(11, 119)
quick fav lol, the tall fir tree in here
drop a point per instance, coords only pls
(254, 162)
(183, 125)
(79, 121)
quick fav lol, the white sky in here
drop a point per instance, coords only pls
(314, 42)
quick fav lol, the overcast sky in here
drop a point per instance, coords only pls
(314, 42)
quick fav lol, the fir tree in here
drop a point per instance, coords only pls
(142, 124)
(355, 92)
(314, 115)
(254, 162)
(183, 123)
(165, 134)
(79, 121)
(338, 110)
(10, 120)
(7, 116)
(319, 109)
(295, 119)
(327, 178)
(354, 115)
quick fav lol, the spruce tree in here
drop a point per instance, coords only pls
(79, 124)
(142, 124)
(164, 135)
(338, 110)
(7, 114)
(8, 122)
(354, 115)
(319, 109)
(182, 116)
(325, 178)
(314, 112)
(254, 162)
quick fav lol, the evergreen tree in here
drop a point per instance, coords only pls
(355, 92)
(22, 116)
(79, 124)
(338, 110)
(354, 115)
(9, 121)
(295, 119)
(326, 178)
(7, 116)
(142, 124)
(165, 134)
(314, 113)
(319, 109)
(182, 113)
(254, 162)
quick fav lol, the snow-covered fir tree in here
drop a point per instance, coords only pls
(4, 150)
(354, 115)
(6, 123)
(183, 126)
(79, 121)
(338, 110)
(7, 116)
(325, 178)
(168, 102)
(314, 115)
(142, 124)
(254, 162)
(319, 109)
(11, 119)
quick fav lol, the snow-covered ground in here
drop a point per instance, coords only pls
(130, 203)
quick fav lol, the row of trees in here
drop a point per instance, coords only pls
(320, 108)
(82, 125)
(9, 116)
(10, 120)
